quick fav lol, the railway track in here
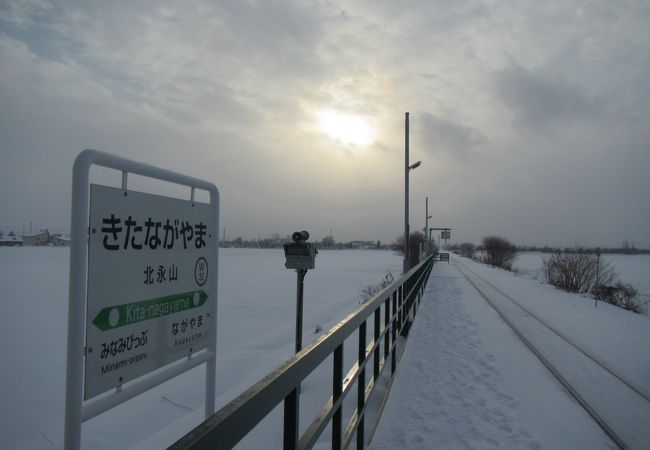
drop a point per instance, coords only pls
(619, 407)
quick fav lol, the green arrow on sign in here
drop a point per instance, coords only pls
(128, 313)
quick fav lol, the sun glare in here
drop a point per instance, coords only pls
(349, 129)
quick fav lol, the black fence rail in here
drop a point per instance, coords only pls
(397, 304)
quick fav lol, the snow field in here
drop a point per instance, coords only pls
(618, 405)
(617, 337)
(467, 382)
(631, 269)
(479, 388)
(256, 325)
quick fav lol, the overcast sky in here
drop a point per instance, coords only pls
(532, 119)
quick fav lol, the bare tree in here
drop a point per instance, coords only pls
(578, 272)
(369, 291)
(467, 249)
(622, 295)
(499, 252)
(416, 238)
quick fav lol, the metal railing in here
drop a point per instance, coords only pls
(398, 302)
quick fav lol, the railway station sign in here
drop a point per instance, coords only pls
(148, 302)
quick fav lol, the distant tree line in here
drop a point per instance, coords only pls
(276, 241)
(625, 249)
(578, 270)
(495, 251)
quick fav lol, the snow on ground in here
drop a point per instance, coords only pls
(632, 269)
(466, 381)
(619, 405)
(256, 320)
(619, 338)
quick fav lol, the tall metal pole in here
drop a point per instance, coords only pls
(407, 256)
(597, 274)
(426, 215)
(426, 226)
(292, 401)
(300, 286)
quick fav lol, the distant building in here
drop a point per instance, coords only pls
(362, 245)
(58, 240)
(10, 240)
(37, 239)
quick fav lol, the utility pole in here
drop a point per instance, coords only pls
(407, 258)
(426, 222)
(597, 274)
(407, 168)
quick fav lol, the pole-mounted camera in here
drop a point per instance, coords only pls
(300, 255)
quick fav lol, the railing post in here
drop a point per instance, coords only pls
(361, 388)
(386, 327)
(400, 305)
(337, 389)
(405, 307)
(291, 414)
(393, 359)
(375, 365)
(406, 304)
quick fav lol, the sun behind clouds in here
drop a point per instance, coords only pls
(349, 129)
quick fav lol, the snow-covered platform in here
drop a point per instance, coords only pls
(467, 380)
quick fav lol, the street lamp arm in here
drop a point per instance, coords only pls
(415, 165)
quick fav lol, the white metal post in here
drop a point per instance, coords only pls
(77, 295)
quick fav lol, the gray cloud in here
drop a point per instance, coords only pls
(195, 62)
(538, 102)
(545, 105)
(439, 135)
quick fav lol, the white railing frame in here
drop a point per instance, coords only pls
(76, 410)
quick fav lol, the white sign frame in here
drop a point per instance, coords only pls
(76, 410)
